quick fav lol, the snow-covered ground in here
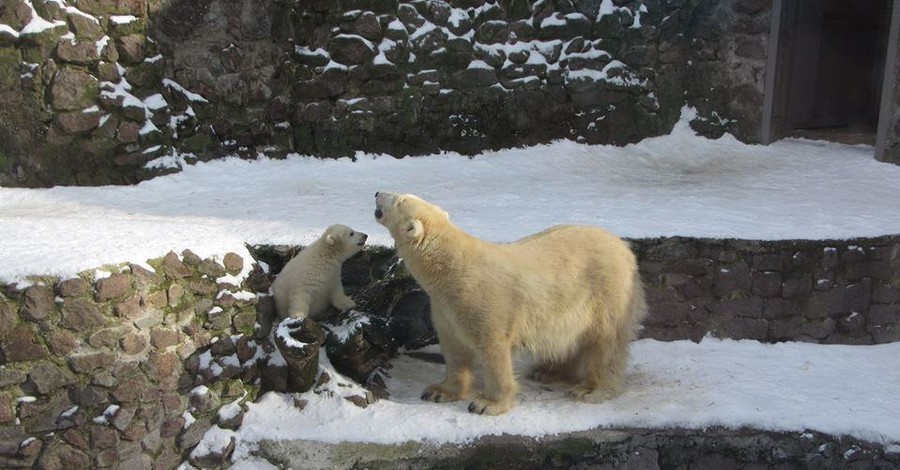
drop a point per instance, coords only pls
(679, 184)
(794, 387)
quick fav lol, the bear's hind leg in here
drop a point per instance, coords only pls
(603, 367)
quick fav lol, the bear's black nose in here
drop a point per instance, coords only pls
(377, 193)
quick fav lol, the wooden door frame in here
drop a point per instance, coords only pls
(888, 106)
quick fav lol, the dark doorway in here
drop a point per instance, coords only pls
(830, 69)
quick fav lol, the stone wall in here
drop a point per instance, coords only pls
(830, 291)
(131, 366)
(115, 91)
(726, 66)
(104, 370)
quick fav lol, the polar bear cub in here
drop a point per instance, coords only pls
(311, 281)
(570, 296)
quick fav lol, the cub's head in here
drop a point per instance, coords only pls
(344, 240)
(407, 217)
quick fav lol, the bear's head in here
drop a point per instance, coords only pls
(344, 240)
(408, 217)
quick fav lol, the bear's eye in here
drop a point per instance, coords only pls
(352, 233)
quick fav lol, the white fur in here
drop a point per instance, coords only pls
(311, 281)
(570, 296)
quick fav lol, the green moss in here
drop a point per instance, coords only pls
(197, 144)
(10, 58)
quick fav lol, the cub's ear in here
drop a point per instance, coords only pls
(414, 229)
(329, 239)
(446, 215)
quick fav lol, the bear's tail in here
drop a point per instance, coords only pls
(637, 305)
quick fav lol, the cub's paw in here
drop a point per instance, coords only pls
(485, 406)
(593, 395)
(440, 394)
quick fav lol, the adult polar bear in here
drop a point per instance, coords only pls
(570, 296)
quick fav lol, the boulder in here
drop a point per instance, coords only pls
(73, 89)
(298, 340)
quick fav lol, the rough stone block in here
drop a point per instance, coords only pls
(801, 287)
(73, 89)
(39, 303)
(133, 343)
(63, 457)
(130, 308)
(73, 287)
(12, 377)
(115, 286)
(174, 268)
(22, 344)
(234, 264)
(766, 283)
(884, 315)
(91, 361)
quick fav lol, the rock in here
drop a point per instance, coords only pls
(410, 321)
(174, 268)
(131, 49)
(21, 344)
(359, 345)
(298, 340)
(86, 29)
(474, 78)
(62, 342)
(234, 264)
(78, 122)
(47, 377)
(117, 285)
(8, 319)
(163, 338)
(39, 302)
(72, 287)
(117, 7)
(365, 25)
(211, 268)
(492, 32)
(215, 449)
(133, 343)
(12, 377)
(77, 52)
(91, 361)
(16, 14)
(350, 49)
(73, 89)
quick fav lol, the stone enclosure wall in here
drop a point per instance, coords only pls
(131, 366)
(107, 91)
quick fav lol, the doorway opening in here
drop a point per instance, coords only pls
(830, 69)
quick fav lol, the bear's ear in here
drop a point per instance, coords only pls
(446, 215)
(329, 239)
(415, 229)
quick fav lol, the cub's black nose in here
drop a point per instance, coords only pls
(377, 193)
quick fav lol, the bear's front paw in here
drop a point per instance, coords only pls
(440, 394)
(486, 406)
(344, 304)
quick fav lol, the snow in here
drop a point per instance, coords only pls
(215, 441)
(788, 387)
(677, 184)
(122, 19)
(187, 94)
(37, 23)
